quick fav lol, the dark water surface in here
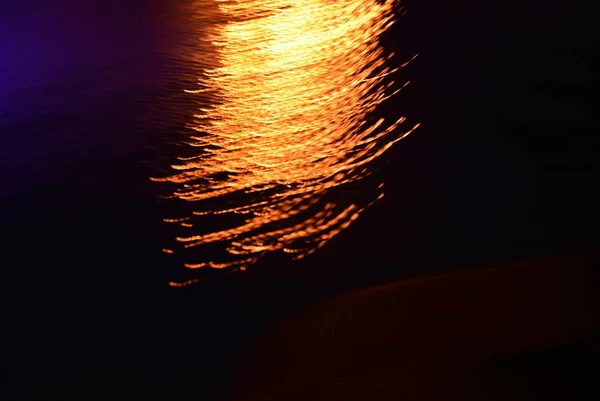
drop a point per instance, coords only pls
(92, 104)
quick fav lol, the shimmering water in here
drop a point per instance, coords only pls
(270, 113)
(286, 102)
(502, 168)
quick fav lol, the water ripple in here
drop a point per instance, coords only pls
(290, 117)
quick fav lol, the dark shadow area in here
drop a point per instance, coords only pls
(491, 333)
(557, 373)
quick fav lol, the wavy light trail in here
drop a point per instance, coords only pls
(292, 92)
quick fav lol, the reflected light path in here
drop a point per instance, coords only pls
(292, 91)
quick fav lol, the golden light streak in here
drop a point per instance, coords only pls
(292, 91)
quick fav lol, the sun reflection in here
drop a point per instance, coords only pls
(293, 91)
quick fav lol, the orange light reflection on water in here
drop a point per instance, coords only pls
(293, 87)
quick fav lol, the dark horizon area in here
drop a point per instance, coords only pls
(502, 169)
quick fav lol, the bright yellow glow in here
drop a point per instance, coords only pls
(292, 89)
